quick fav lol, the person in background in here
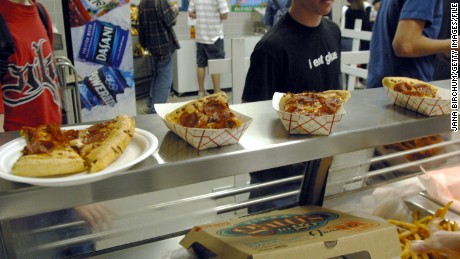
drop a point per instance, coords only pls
(274, 10)
(209, 37)
(356, 5)
(376, 5)
(30, 87)
(374, 12)
(301, 53)
(156, 34)
(356, 10)
(405, 43)
(31, 97)
(404, 40)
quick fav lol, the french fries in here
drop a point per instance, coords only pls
(418, 230)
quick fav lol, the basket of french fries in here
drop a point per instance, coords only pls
(422, 228)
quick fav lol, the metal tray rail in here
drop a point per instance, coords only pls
(232, 207)
(265, 145)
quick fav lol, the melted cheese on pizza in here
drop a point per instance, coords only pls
(410, 86)
(86, 140)
(415, 89)
(43, 139)
(309, 103)
(211, 112)
(50, 151)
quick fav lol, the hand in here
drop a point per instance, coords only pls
(442, 241)
(2, 118)
(97, 215)
(175, 7)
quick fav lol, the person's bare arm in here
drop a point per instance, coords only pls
(223, 16)
(97, 215)
(2, 119)
(410, 42)
(192, 15)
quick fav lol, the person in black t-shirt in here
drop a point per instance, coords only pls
(300, 53)
(357, 10)
(295, 55)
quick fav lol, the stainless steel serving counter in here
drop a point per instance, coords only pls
(370, 121)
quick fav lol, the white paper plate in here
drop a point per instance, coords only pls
(142, 145)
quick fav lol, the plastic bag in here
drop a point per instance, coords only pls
(443, 186)
(384, 202)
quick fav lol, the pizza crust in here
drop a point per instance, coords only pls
(70, 154)
(344, 95)
(193, 114)
(57, 162)
(391, 82)
(99, 155)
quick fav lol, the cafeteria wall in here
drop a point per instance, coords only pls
(238, 23)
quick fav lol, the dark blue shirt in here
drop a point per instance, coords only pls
(383, 61)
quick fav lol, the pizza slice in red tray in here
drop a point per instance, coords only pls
(314, 103)
(210, 112)
(410, 86)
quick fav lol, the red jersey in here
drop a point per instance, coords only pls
(30, 88)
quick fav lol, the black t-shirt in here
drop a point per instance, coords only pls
(292, 57)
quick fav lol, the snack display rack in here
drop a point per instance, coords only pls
(370, 120)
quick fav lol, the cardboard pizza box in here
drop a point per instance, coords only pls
(427, 106)
(306, 124)
(204, 138)
(300, 232)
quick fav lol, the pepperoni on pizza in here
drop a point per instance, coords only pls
(314, 104)
(211, 112)
(410, 86)
(51, 151)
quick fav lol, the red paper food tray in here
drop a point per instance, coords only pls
(204, 138)
(304, 124)
(427, 106)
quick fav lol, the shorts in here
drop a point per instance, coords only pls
(204, 52)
